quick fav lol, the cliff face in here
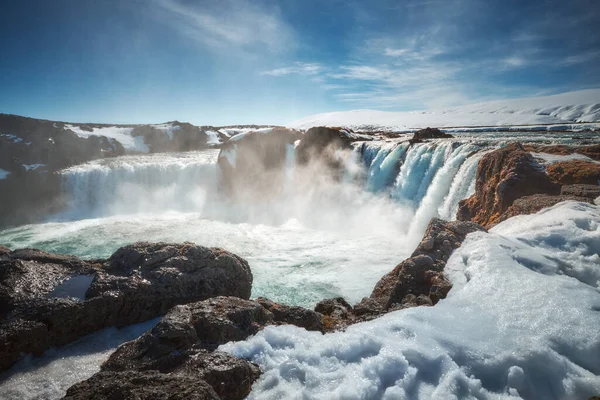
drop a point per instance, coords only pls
(502, 177)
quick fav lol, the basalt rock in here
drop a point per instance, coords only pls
(588, 191)
(254, 165)
(50, 300)
(419, 280)
(503, 176)
(428, 133)
(534, 203)
(574, 172)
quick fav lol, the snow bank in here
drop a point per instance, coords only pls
(120, 134)
(572, 107)
(520, 322)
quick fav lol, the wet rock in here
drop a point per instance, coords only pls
(337, 313)
(322, 142)
(532, 204)
(254, 166)
(574, 172)
(587, 191)
(137, 283)
(503, 176)
(420, 276)
(428, 133)
(293, 315)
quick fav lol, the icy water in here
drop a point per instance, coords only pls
(335, 240)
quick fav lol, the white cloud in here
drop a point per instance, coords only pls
(227, 24)
(298, 68)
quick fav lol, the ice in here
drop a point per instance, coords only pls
(49, 376)
(513, 326)
(563, 109)
(4, 173)
(75, 287)
(120, 134)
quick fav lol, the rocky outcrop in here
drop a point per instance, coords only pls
(50, 300)
(181, 349)
(320, 143)
(416, 281)
(574, 172)
(428, 133)
(253, 166)
(534, 203)
(588, 191)
(419, 280)
(503, 176)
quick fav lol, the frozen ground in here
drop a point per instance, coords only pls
(520, 322)
(562, 110)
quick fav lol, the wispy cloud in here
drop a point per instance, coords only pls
(298, 68)
(227, 24)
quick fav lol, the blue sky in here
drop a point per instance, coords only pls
(267, 61)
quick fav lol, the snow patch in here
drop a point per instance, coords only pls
(120, 134)
(33, 167)
(546, 158)
(4, 173)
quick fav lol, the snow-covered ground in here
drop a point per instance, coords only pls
(562, 109)
(120, 134)
(520, 322)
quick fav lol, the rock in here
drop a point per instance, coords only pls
(419, 280)
(4, 250)
(587, 191)
(293, 315)
(428, 133)
(337, 313)
(139, 282)
(254, 166)
(503, 176)
(320, 143)
(574, 172)
(532, 204)
(592, 151)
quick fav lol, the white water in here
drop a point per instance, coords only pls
(314, 242)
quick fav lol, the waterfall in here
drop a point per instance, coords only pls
(132, 184)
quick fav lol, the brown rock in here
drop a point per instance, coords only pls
(503, 176)
(428, 133)
(587, 191)
(293, 315)
(574, 172)
(592, 151)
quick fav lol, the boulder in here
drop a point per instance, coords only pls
(253, 164)
(503, 176)
(321, 142)
(419, 280)
(587, 191)
(50, 300)
(293, 315)
(428, 133)
(337, 313)
(534, 203)
(574, 172)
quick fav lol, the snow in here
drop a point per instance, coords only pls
(242, 134)
(120, 134)
(33, 167)
(167, 128)
(572, 107)
(521, 321)
(553, 158)
(213, 137)
(230, 155)
(13, 138)
(4, 173)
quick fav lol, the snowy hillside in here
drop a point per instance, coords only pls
(563, 109)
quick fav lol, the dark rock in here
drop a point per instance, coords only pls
(428, 133)
(337, 313)
(503, 176)
(319, 143)
(293, 315)
(587, 191)
(532, 204)
(137, 283)
(420, 276)
(254, 166)
(4, 250)
(574, 172)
